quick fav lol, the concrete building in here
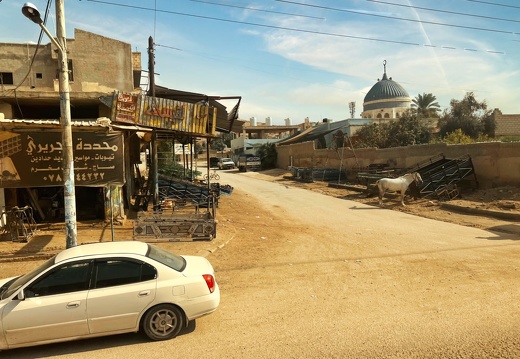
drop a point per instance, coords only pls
(98, 65)
(254, 134)
(31, 134)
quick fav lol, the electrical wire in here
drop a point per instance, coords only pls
(398, 18)
(168, 47)
(255, 9)
(40, 37)
(291, 29)
(443, 11)
(495, 4)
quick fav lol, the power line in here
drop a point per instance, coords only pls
(398, 18)
(255, 9)
(168, 47)
(38, 44)
(444, 11)
(290, 29)
(495, 4)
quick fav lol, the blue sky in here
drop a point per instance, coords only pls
(307, 58)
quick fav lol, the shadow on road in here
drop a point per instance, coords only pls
(85, 346)
(36, 244)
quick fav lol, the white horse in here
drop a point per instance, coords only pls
(397, 184)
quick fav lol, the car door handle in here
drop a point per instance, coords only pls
(144, 293)
(73, 305)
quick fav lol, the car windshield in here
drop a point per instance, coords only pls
(167, 258)
(19, 282)
(227, 160)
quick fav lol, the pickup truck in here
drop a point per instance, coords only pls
(249, 163)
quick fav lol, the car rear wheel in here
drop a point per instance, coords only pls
(163, 322)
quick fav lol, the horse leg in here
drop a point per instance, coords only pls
(381, 194)
(402, 197)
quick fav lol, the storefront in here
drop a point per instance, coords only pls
(31, 170)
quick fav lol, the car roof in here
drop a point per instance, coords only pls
(119, 247)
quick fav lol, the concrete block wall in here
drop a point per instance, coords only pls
(507, 125)
(101, 61)
(496, 164)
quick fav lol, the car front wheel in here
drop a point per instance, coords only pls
(162, 322)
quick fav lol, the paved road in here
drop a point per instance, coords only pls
(310, 276)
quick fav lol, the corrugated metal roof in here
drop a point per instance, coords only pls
(42, 122)
(102, 122)
(226, 121)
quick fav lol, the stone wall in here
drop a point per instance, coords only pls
(495, 163)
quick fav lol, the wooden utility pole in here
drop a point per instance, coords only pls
(151, 67)
(151, 92)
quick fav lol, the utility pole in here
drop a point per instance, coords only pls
(65, 121)
(151, 67)
(151, 92)
(31, 12)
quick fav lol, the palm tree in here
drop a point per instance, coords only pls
(425, 106)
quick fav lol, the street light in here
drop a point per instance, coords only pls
(31, 12)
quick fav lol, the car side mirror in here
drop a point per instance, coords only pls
(21, 295)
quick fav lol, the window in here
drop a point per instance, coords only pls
(72, 277)
(71, 71)
(167, 258)
(109, 273)
(39, 75)
(6, 78)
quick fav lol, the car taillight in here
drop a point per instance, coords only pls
(210, 281)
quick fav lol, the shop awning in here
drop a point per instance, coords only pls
(226, 121)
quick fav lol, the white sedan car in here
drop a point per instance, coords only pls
(106, 288)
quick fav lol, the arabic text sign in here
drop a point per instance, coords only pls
(98, 160)
(125, 107)
(163, 113)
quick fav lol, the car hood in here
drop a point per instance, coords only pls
(196, 265)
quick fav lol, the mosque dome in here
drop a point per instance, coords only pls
(386, 99)
(385, 89)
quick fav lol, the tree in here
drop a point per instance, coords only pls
(470, 116)
(457, 137)
(268, 155)
(221, 142)
(405, 131)
(408, 130)
(425, 106)
(372, 135)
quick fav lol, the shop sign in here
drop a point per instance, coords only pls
(164, 113)
(35, 159)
